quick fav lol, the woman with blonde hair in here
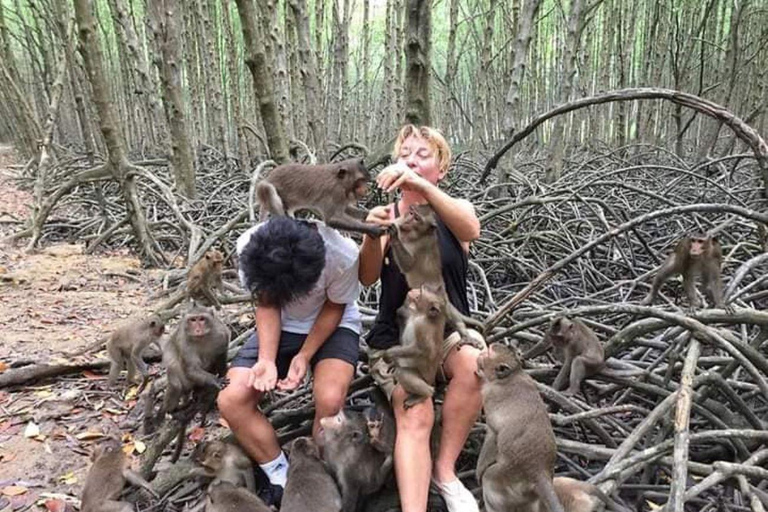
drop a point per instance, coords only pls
(422, 157)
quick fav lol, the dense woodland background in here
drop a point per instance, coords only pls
(590, 136)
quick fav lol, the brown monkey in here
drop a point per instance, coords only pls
(416, 250)
(697, 255)
(417, 357)
(577, 347)
(194, 356)
(330, 190)
(517, 460)
(227, 461)
(223, 496)
(106, 479)
(128, 342)
(204, 276)
(578, 496)
(357, 456)
(309, 485)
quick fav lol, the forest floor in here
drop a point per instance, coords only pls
(52, 302)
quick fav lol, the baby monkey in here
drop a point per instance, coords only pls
(106, 479)
(126, 345)
(227, 462)
(309, 487)
(577, 347)
(204, 276)
(517, 460)
(330, 190)
(696, 255)
(417, 358)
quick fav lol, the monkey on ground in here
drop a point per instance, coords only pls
(309, 485)
(416, 250)
(227, 462)
(577, 347)
(578, 496)
(204, 276)
(106, 479)
(126, 345)
(517, 460)
(195, 357)
(417, 357)
(223, 496)
(357, 454)
(697, 255)
(330, 190)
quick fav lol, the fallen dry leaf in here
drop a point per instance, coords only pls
(56, 505)
(3, 366)
(14, 490)
(32, 430)
(87, 435)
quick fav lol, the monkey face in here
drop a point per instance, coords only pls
(212, 455)
(156, 326)
(497, 363)
(355, 177)
(197, 325)
(342, 427)
(305, 446)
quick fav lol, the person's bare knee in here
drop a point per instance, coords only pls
(329, 400)
(417, 420)
(237, 395)
(462, 364)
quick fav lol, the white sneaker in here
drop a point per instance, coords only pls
(457, 497)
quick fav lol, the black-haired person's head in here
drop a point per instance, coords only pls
(282, 261)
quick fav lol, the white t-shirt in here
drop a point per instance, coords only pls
(338, 282)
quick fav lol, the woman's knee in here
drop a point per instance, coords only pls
(417, 419)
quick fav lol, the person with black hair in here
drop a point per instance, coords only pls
(304, 278)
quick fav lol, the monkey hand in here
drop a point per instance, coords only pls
(263, 376)
(380, 215)
(296, 373)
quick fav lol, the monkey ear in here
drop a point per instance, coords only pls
(341, 173)
(502, 371)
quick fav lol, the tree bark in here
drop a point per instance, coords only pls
(165, 31)
(418, 55)
(262, 82)
(309, 78)
(512, 110)
(116, 156)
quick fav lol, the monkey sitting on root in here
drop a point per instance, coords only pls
(224, 496)
(577, 347)
(310, 486)
(203, 277)
(698, 255)
(227, 462)
(106, 479)
(517, 461)
(330, 190)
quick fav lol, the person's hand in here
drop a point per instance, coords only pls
(296, 373)
(399, 175)
(380, 215)
(263, 376)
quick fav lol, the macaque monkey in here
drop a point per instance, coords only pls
(223, 496)
(227, 462)
(417, 357)
(697, 255)
(330, 190)
(517, 460)
(355, 453)
(195, 357)
(204, 276)
(309, 485)
(577, 347)
(106, 479)
(126, 345)
(578, 496)
(416, 250)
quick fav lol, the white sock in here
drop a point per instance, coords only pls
(276, 470)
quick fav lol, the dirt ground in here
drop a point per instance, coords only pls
(51, 302)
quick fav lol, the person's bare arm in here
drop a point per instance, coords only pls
(372, 249)
(268, 326)
(326, 322)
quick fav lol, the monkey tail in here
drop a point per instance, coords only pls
(269, 200)
(546, 491)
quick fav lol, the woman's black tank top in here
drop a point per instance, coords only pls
(394, 288)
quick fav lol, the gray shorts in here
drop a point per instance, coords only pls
(384, 373)
(342, 344)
